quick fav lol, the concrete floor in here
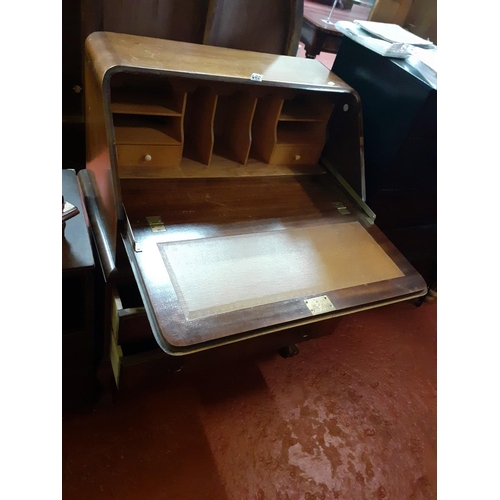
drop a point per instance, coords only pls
(353, 416)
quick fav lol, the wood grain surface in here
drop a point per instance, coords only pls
(121, 51)
(196, 210)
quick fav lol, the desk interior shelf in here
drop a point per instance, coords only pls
(163, 125)
(148, 119)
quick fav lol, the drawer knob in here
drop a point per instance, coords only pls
(147, 157)
(297, 157)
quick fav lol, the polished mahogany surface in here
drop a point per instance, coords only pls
(219, 221)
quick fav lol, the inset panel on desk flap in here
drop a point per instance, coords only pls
(218, 275)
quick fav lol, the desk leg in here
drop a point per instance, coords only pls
(314, 48)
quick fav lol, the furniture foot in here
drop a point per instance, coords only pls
(419, 301)
(429, 297)
(289, 351)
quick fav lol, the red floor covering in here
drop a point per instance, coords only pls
(352, 416)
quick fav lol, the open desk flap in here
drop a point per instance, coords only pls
(223, 259)
(208, 164)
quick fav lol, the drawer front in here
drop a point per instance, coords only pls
(140, 369)
(144, 155)
(136, 359)
(296, 155)
(129, 324)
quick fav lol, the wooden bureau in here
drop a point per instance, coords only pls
(225, 190)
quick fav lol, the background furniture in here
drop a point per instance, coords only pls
(318, 36)
(400, 133)
(78, 362)
(390, 11)
(341, 4)
(417, 16)
(422, 19)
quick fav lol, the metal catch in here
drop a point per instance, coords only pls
(341, 208)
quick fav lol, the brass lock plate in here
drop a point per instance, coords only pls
(319, 305)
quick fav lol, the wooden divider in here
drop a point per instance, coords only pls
(232, 126)
(198, 125)
(264, 126)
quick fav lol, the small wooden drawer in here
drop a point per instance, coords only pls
(145, 155)
(129, 321)
(296, 155)
(135, 357)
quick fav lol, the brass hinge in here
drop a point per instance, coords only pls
(155, 223)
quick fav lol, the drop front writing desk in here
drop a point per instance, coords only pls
(225, 190)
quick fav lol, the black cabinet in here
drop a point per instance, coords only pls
(400, 132)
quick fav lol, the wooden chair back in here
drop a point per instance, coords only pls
(271, 26)
(390, 11)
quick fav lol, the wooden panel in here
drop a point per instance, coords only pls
(299, 132)
(198, 125)
(390, 11)
(232, 200)
(143, 102)
(264, 125)
(270, 26)
(422, 19)
(232, 126)
(129, 52)
(306, 108)
(219, 167)
(98, 160)
(172, 19)
(130, 129)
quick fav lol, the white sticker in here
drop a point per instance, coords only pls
(256, 77)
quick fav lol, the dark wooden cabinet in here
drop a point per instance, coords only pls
(78, 309)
